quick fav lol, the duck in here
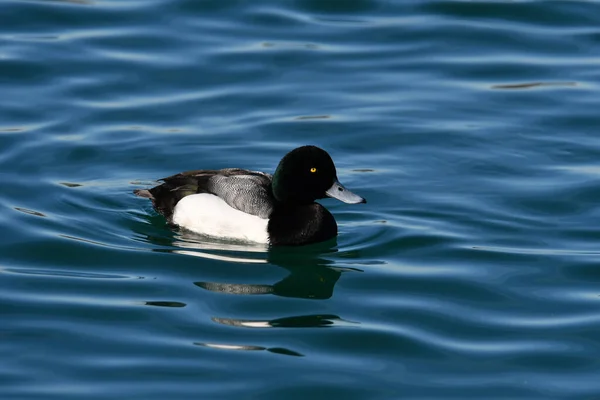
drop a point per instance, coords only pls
(253, 206)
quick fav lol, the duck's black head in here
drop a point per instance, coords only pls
(306, 174)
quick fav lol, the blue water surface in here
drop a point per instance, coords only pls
(472, 128)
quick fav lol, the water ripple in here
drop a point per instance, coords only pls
(471, 127)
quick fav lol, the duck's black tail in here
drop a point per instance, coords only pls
(143, 193)
(166, 195)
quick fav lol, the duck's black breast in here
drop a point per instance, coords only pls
(300, 225)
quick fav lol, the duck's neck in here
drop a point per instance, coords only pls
(293, 225)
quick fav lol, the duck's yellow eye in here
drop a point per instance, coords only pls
(313, 170)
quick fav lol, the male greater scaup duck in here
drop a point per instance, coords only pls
(254, 206)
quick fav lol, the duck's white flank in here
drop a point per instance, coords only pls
(210, 215)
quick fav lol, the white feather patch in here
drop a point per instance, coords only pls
(208, 214)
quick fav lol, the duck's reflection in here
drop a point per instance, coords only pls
(276, 350)
(310, 275)
(301, 321)
(309, 282)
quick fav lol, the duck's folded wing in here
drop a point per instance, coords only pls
(246, 191)
(249, 192)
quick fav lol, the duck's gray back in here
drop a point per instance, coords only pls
(249, 193)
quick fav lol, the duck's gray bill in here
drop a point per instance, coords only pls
(338, 191)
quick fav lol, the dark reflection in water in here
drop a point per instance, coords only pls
(276, 350)
(71, 184)
(301, 321)
(173, 304)
(304, 117)
(309, 282)
(30, 212)
(311, 275)
(530, 85)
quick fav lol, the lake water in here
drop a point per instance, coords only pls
(471, 127)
